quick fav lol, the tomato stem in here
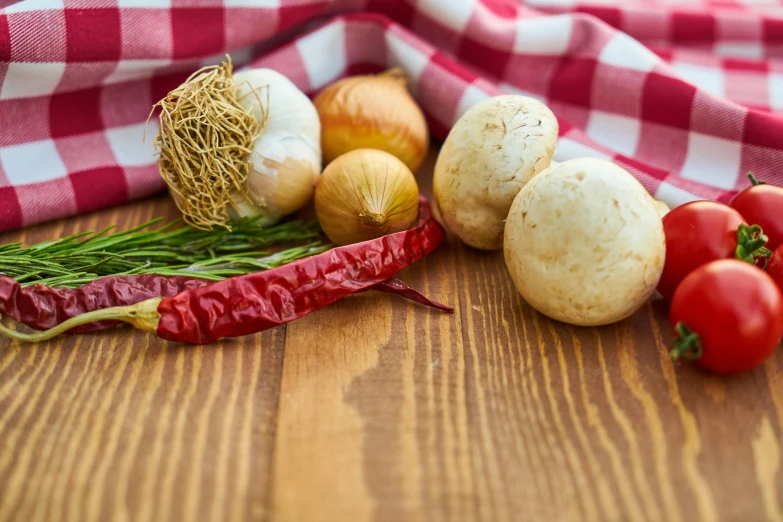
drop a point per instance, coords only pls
(688, 344)
(755, 181)
(750, 244)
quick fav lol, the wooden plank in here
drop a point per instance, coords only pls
(377, 409)
(122, 426)
(391, 412)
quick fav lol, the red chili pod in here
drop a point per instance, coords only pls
(255, 302)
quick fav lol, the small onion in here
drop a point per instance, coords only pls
(375, 112)
(365, 194)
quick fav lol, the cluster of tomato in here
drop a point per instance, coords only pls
(724, 277)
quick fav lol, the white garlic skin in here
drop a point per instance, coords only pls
(286, 157)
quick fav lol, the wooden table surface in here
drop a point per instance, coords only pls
(377, 409)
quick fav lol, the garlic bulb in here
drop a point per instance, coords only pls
(366, 194)
(286, 156)
(375, 112)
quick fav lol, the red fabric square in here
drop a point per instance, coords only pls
(85, 151)
(443, 37)
(646, 24)
(37, 36)
(144, 181)
(99, 188)
(693, 27)
(737, 64)
(750, 89)
(245, 26)
(93, 34)
(714, 117)
(24, 120)
(763, 162)
(75, 112)
(365, 42)
(10, 210)
(291, 15)
(494, 61)
(5, 39)
(572, 80)
(501, 8)
(83, 75)
(772, 30)
(662, 147)
(611, 15)
(401, 12)
(163, 84)
(617, 90)
(48, 200)
(632, 164)
(452, 67)
(146, 33)
(531, 73)
(197, 32)
(134, 109)
(667, 100)
(764, 130)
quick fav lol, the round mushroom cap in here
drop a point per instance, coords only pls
(494, 149)
(584, 243)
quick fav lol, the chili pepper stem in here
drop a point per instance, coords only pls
(688, 344)
(143, 315)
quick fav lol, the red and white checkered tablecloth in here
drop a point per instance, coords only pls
(686, 95)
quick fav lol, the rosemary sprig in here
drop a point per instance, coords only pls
(167, 250)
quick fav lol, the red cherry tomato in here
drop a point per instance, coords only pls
(697, 233)
(775, 267)
(727, 315)
(762, 205)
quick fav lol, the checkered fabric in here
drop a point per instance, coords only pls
(686, 96)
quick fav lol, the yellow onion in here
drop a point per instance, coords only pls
(374, 112)
(365, 194)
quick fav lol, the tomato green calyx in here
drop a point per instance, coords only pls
(750, 244)
(688, 344)
(755, 181)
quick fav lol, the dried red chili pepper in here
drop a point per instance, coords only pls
(42, 307)
(249, 304)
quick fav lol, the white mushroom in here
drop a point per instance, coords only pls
(584, 243)
(491, 152)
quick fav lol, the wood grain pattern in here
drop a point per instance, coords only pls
(376, 409)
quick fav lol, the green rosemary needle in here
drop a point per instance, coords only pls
(167, 250)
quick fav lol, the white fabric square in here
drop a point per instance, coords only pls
(741, 49)
(323, 54)
(161, 4)
(402, 54)
(129, 145)
(470, 97)
(674, 196)
(569, 149)
(619, 133)
(776, 90)
(453, 13)
(710, 79)
(712, 161)
(545, 35)
(623, 51)
(128, 70)
(34, 5)
(32, 163)
(28, 80)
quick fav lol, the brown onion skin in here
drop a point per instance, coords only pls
(365, 194)
(373, 112)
